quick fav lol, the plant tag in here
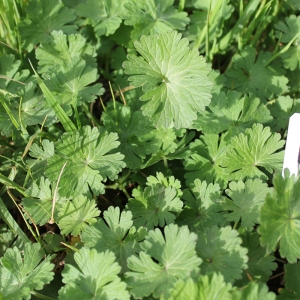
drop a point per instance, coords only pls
(292, 147)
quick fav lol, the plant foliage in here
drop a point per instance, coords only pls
(141, 149)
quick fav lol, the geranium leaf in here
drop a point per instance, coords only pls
(249, 74)
(94, 275)
(246, 201)
(90, 157)
(122, 120)
(232, 113)
(165, 259)
(116, 234)
(153, 16)
(42, 18)
(205, 160)
(250, 151)
(291, 289)
(221, 251)
(254, 291)
(156, 205)
(40, 200)
(205, 287)
(104, 15)
(74, 215)
(286, 32)
(61, 48)
(260, 266)
(22, 274)
(202, 206)
(174, 79)
(280, 218)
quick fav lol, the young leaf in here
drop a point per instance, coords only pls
(22, 274)
(165, 259)
(155, 206)
(249, 74)
(246, 201)
(285, 33)
(202, 206)
(116, 234)
(74, 215)
(91, 159)
(174, 79)
(153, 16)
(280, 218)
(205, 160)
(250, 151)
(232, 113)
(93, 276)
(206, 287)
(42, 17)
(221, 251)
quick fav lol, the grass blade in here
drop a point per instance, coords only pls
(50, 98)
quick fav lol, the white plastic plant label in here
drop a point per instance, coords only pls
(292, 147)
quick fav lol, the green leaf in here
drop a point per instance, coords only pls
(202, 206)
(285, 33)
(8, 237)
(12, 76)
(156, 205)
(291, 289)
(260, 266)
(206, 287)
(205, 160)
(246, 201)
(63, 48)
(115, 233)
(280, 218)
(165, 259)
(153, 16)
(221, 251)
(42, 17)
(174, 79)
(90, 157)
(41, 155)
(23, 273)
(254, 291)
(124, 121)
(76, 214)
(253, 151)
(93, 276)
(39, 202)
(248, 74)
(72, 83)
(166, 181)
(232, 113)
(103, 15)
(158, 138)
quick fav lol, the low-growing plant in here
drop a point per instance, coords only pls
(141, 149)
